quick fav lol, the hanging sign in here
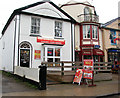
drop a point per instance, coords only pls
(88, 68)
(78, 76)
(50, 41)
(37, 54)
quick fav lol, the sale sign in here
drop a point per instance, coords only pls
(78, 76)
(88, 68)
(88, 74)
(37, 54)
(88, 64)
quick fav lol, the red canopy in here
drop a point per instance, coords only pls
(92, 52)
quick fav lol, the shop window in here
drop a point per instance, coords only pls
(57, 52)
(86, 31)
(52, 54)
(87, 57)
(94, 32)
(35, 26)
(58, 29)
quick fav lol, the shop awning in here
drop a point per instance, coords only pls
(114, 50)
(98, 52)
(87, 52)
(92, 52)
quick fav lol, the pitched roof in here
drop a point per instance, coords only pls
(18, 11)
(111, 21)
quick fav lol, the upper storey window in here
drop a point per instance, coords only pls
(35, 25)
(58, 29)
(90, 32)
(86, 31)
(86, 13)
(94, 32)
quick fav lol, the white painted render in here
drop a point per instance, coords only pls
(19, 30)
(1, 54)
(46, 9)
(77, 37)
(30, 73)
(46, 31)
(8, 47)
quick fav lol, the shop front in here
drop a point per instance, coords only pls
(90, 52)
(114, 55)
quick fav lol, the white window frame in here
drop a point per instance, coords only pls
(95, 28)
(35, 26)
(59, 29)
(85, 31)
(45, 56)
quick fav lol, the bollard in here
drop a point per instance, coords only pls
(42, 77)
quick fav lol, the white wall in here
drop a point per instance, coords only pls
(46, 9)
(1, 54)
(30, 73)
(77, 37)
(8, 45)
(46, 31)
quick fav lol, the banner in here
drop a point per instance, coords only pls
(37, 54)
(78, 76)
(88, 68)
(50, 41)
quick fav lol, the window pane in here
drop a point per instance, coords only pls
(35, 25)
(57, 60)
(88, 31)
(58, 29)
(84, 31)
(57, 52)
(50, 52)
(50, 60)
(93, 32)
(96, 31)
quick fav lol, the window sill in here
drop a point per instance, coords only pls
(58, 38)
(34, 35)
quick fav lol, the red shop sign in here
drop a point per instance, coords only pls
(51, 41)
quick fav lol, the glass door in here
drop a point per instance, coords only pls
(52, 54)
(24, 57)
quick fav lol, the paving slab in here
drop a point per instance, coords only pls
(102, 88)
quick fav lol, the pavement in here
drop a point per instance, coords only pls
(11, 87)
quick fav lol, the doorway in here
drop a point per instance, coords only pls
(25, 55)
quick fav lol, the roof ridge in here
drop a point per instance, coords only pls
(111, 21)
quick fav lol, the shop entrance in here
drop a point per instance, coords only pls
(25, 54)
(52, 54)
(24, 58)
